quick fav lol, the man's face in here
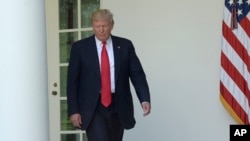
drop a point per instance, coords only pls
(102, 29)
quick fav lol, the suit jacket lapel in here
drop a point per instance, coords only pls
(94, 55)
(117, 56)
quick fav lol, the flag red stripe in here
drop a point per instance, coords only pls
(235, 44)
(235, 75)
(245, 23)
(234, 104)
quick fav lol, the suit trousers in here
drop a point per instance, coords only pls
(105, 125)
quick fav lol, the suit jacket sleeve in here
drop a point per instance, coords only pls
(72, 79)
(138, 77)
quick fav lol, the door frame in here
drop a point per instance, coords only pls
(53, 61)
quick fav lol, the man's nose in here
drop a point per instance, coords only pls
(101, 29)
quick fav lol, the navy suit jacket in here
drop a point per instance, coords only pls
(83, 84)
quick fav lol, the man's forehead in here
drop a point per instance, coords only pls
(106, 22)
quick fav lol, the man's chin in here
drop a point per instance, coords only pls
(102, 38)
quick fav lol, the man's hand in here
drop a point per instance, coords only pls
(146, 108)
(76, 120)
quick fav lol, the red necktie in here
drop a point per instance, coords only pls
(105, 77)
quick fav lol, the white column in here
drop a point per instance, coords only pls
(23, 71)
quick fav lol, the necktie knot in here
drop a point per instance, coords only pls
(104, 44)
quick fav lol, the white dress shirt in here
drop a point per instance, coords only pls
(109, 48)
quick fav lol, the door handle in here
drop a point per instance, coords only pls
(54, 92)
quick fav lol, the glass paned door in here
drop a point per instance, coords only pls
(67, 21)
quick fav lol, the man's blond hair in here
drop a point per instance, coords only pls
(102, 14)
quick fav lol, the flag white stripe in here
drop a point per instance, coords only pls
(248, 15)
(235, 60)
(238, 95)
(239, 33)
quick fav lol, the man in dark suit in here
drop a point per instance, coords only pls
(104, 121)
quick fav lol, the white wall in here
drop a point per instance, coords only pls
(179, 45)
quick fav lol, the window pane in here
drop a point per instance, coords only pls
(63, 80)
(84, 137)
(68, 14)
(66, 40)
(86, 34)
(65, 121)
(70, 137)
(87, 8)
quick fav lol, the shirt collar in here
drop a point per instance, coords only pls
(100, 42)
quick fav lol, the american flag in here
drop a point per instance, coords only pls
(235, 60)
